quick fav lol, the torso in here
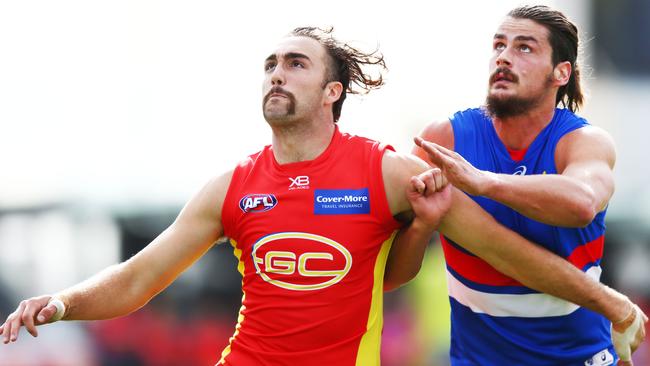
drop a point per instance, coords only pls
(312, 240)
(491, 311)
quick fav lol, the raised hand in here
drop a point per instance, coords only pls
(455, 168)
(430, 196)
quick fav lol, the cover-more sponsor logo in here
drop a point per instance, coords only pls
(301, 261)
(341, 201)
(257, 202)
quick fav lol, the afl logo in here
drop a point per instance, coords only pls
(300, 261)
(257, 202)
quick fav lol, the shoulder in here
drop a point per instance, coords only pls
(440, 132)
(399, 163)
(361, 143)
(443, 132)
(586, 143)
(203, 210)
(213, 193)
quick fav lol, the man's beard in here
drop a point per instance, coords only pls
(498, 107)
(506, 107)
(290, 107)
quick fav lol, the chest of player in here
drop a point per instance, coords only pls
(304, 233)
(302, 203)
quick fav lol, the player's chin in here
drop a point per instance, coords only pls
(501, 93)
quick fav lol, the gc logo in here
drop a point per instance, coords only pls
(300, 261)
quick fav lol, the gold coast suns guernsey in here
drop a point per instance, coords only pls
(312, 240)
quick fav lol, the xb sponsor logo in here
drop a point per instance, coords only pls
(299, 182)
(300, 261)
(257, 202)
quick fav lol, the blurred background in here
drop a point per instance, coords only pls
(113, 113)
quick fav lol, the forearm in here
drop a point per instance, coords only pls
(533, 266)
(123, 288)
(550, 198)
(406, 254)
(110, 293)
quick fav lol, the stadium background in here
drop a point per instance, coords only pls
(113, 113)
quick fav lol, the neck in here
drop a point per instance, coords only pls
(518, 132)
(301, 141)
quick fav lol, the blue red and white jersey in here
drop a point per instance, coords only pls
(312, 239)
(495, 319)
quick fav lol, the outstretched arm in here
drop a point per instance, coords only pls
(125, 287)
(468, 225)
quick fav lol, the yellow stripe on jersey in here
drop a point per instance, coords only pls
(240, 267)
(370, 346)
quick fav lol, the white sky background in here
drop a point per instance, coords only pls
(140, 102)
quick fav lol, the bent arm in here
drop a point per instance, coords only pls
(581, 189)
(418, 196)
(572, 198)
(406, 254)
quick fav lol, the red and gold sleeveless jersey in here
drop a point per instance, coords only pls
(312, 240)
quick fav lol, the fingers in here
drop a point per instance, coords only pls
(12, 325)
(27, 318)
(624, 363)
(428, 182)
(430, 148)
(440, 179)
(46, 313)
(417, 185)
(26, 315)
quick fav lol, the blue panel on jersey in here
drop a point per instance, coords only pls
(341, 201)
(480, 339)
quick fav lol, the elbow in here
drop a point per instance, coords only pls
(585, 212)
(393, 281)
(584, 217)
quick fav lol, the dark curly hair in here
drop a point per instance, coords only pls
(346, 65)
(563, 37)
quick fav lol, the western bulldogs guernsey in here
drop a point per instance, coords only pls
(496, 320)
(312, 240)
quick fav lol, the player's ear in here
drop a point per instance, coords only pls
(333, 90)
(562, 73)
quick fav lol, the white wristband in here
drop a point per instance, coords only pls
(60, 309)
